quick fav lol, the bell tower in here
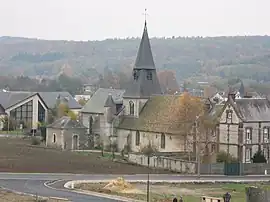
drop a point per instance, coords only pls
(144, 81)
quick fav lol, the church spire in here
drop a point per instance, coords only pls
(144, 58)
(144, 81)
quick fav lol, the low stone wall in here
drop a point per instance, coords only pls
(162, 162)
(212, 169)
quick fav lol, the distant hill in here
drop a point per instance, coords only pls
(196, 58)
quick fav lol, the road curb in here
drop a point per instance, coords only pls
(97, 194)
(70, 184)
(48, 183)
(32, 195)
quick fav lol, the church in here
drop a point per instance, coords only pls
(138, 115)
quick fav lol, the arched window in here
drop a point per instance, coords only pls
(131, 108)
(54, 137)
(137, 139)
(162, 142)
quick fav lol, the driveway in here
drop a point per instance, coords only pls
(34, 183)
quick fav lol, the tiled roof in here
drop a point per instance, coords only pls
(97, 102)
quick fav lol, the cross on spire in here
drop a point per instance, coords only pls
(145, 15)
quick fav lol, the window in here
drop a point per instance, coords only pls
(54, 137)
(248, 135)
(229, 116)
(131, 108)
(135, 75)
(23, 114)
(162, 142)
(137, 139)
(149, 75)
(266, 134)
(248, 154)
(41, 113)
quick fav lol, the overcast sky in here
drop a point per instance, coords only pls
(100, 19)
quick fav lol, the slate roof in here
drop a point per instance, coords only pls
(249, 109)
(50, 99)
(144, 58)
(10, 98)
(158, 115)
(97, 102)
(66, 122)
(216, 111)
(144, 64)
(109, 101)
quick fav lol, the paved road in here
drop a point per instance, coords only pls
(34, 183)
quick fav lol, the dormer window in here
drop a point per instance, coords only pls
(149, 75)
(135, 75)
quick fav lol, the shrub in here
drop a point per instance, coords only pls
(224, 157)
(8, 124)
(259, 157)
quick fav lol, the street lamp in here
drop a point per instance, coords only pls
(197, 147)
(113, 140)
(148, 151)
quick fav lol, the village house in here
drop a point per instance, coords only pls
(31, 108)
(66, 134)
(244, 127)
(99, 112)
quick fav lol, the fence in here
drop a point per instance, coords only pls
(245, 168)
(162, 162)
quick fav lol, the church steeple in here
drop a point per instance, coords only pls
(144, 58)
(144, 81)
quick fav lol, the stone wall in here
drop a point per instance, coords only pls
(162, 162)
(182, 166)
(212, 169)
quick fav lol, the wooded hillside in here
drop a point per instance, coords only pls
(197, 58)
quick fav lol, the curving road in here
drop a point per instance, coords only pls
(34, 183)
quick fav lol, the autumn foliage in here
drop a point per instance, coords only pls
(190, 107)
(63, 110)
